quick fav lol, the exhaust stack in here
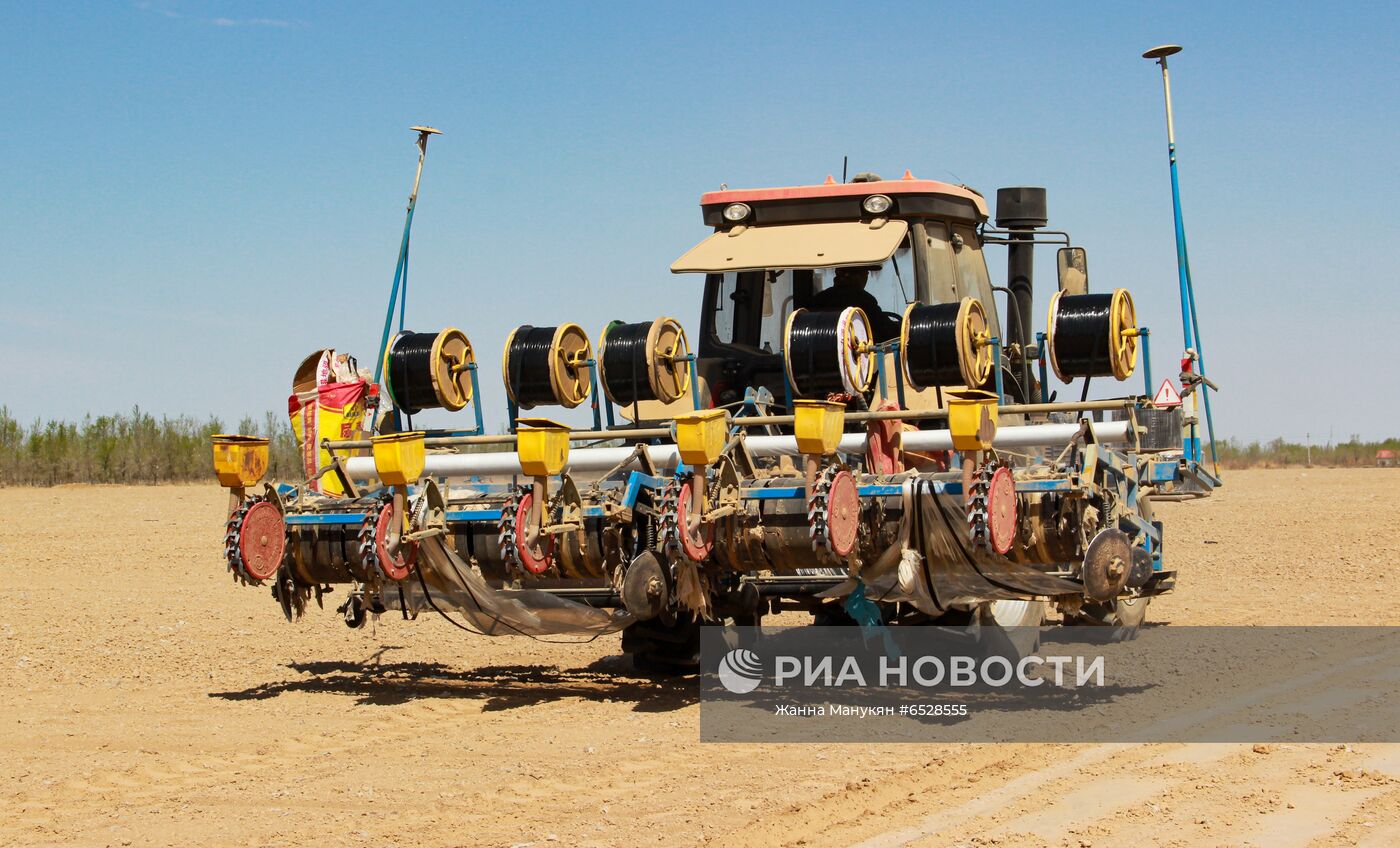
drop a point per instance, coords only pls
(1023, 211)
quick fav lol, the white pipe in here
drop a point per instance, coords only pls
(1027, 436)
(507, 463)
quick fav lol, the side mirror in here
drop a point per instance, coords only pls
(1073, 265)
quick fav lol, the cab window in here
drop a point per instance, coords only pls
(943, 273)
(971, 267)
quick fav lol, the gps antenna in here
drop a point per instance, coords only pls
(401, 270)
(1190, 327)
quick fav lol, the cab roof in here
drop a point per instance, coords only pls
(912, 198)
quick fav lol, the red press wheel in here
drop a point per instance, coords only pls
(535, 560)
(842, 513)
(262, 539)
(395, 556)
(1001, 511)
(696, 545)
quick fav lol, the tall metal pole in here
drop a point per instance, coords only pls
(1190, 326)
(401, 269)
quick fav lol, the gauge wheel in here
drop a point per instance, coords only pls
(1124, 615)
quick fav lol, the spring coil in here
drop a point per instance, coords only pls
(429, 370)
(1092, 335)
(945, 344)
(828, 352)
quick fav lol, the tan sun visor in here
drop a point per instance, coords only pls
(793, 246)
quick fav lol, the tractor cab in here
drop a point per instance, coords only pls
(877, 244)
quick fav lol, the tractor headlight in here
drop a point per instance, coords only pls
(736, 212)
(877, 204)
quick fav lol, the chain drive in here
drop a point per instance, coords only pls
(506, 532)
(670, 517)
(232, 553)
(977, 507)
(819, 510)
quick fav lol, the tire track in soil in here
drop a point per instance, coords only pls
(1056, 799)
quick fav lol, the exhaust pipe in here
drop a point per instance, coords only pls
(1021, 210)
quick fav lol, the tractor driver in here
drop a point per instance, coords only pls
(848, 289)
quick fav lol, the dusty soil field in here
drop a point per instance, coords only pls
(148, 701)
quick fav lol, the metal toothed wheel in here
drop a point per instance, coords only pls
(833, 512)
(255, 540)
(676, 539)
(381, 545)
(505, 536)
(977, 507)
(515, 512)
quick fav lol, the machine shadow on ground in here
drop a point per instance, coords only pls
(500, 687)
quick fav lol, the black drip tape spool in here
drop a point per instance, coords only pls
(429, 370)
(642, 362)
(945, 344)
(1092, 335)
(547, 366)
(828, 352)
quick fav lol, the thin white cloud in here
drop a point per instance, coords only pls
(275, 23)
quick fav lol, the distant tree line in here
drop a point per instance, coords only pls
(1234, 453)
(140, 448)
(132, 448)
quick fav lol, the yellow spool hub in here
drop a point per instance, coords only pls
(974, 350)
(667, 348)
(568, 365)
(857, 350)
(451, 363)
(1123, 333)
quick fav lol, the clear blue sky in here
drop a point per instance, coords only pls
(196, 194)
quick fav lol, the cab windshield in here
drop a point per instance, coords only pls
(751, 308)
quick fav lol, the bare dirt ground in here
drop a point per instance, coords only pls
(148, 701)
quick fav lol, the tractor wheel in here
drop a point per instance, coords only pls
(832, 614)
(1012, 628)
(1124, 615)
(664, 649)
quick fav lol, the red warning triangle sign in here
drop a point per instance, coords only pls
(1167, 395)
